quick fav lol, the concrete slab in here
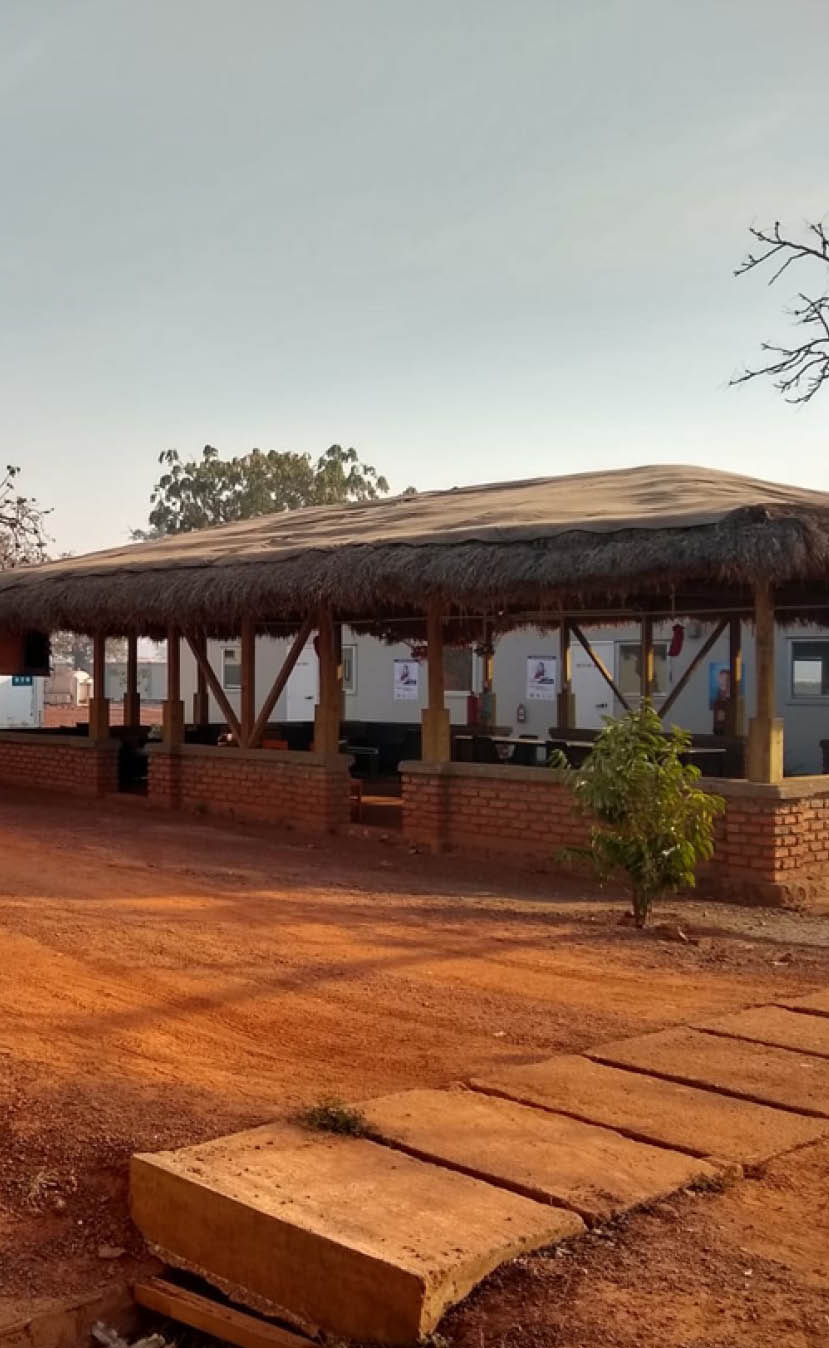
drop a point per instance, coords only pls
(815, 1004)
(774, 1025)
(772, 1076)
(549, 1157)
(654, 1110)
(335, 1233)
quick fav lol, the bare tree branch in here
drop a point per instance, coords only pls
(23, 537)
(798, 371)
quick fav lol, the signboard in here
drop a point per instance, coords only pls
(21, 680)
(406, 681)
(541, 678)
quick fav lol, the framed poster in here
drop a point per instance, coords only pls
(406, 681)
(719, 682)
(541, 678)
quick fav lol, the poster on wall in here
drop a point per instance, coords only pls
(406, 681)
(541, 678)
(719, 682)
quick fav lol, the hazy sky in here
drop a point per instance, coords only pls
(475, 239)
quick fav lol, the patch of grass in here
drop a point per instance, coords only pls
(333, 1115)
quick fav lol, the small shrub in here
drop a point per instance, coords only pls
(654, 824)
(332, 1115)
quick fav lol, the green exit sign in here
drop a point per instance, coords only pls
(21, 680)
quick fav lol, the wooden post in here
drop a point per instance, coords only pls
(436, 747)
(327, 715)
(201, 700)
(566, 709)
(735, 712)
(247, 696)
(765, 733)
(132, 701)
(646, 672)
(173, 722)
(99, 703)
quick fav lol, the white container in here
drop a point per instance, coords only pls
(21, 702)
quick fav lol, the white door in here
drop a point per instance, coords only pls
(594, 700)
(301, 690)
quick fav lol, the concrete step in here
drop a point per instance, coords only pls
(773, 1025)
(772, 1076)
(701, 1122)
(336, 1233)
(595, 1171)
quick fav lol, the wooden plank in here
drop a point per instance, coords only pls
(201, 701)
(223, 1322)
(327, 718)
(247, 695)
(695, 663)
(735, 714)
(765, 744)
(646, 663)
(99, 703)
(435, 718)
(601, 667)
(215, 687)
(280, 681)
(565, 701)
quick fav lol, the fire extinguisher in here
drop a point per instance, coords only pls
(520, 713)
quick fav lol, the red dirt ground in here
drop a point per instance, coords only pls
(166, 980)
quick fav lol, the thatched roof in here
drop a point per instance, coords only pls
(609, 540)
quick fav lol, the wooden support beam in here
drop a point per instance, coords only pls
(735, 713)
(566, 702)
(132, 701)
(679, 687)
(329, 707)
(99, 703)
(605, 673)
(201, 699)
(226, 1323)
(765, 736)
(280, 681)
(436, 737)
(646, 661)
(202, 663)
(247, 697)
(172, 731)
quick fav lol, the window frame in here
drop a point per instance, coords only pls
(350, 684)
(228, 650)
(461, 692)
(809, 699)
(637, 694)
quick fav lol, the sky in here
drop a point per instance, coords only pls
(476, 240)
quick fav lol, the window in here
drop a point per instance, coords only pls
(457, 668)
(810, 669)
(231, 667)
(349, 669)
(630, 665)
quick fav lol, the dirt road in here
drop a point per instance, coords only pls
(163, 981)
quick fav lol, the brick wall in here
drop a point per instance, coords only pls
(772, 843)
(305, 791)
(499, 811)
(69, 763)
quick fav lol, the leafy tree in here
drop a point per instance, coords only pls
(801, 369)
(650, 821)
(22, 524)
(212, 490)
